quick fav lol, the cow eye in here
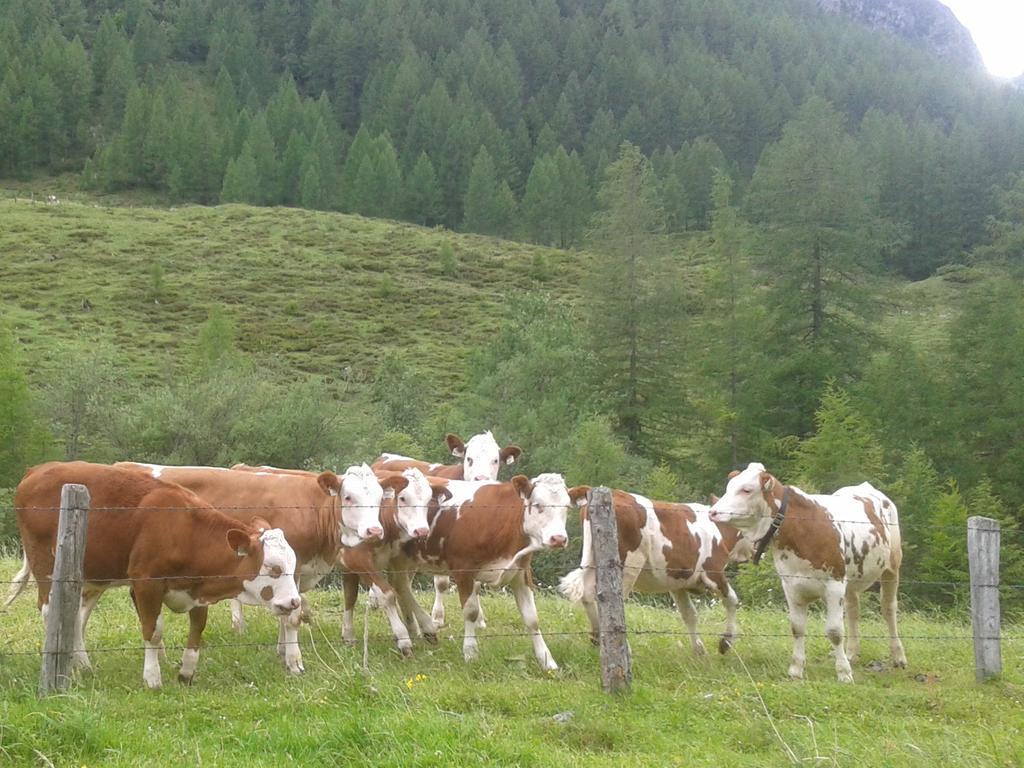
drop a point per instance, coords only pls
(402, 499)
(348, 499)
(470, 462)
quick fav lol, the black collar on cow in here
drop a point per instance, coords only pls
(777, 519)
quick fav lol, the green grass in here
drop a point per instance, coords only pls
(320, 293)
(683, 710)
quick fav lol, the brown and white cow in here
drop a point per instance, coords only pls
(403, 516)
(829, 547)
(664, 547)
(487, 532)
(481, 460)
(166, 543)
(319, 514)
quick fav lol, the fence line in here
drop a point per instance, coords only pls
(382, 637)
(256, 510)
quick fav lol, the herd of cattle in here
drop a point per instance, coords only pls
(188, 537)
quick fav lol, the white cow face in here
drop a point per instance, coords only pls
(481, 456)
(745, 502)
(547, 507)
(274, 586)
(361, 494)
(413, 500)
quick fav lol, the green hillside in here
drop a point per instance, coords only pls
(318, 292)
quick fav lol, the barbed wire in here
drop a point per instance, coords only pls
(388, 638)
(257, 510)
(384, 572)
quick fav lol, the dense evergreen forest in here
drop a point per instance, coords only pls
(493, 117)
(749, 183)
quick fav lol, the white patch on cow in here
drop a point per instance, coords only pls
(179, 600)
(361, 495)
(158, 469)
(395, 457)
(482, 458)
(547, 511)
(412, 504)
(278, 558)
(463, 491)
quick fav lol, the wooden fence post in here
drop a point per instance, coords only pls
(616, 665)
(983, 556)
(66, 589)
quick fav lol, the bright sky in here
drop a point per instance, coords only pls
(997, 27)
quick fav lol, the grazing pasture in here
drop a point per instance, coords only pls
(434, 709)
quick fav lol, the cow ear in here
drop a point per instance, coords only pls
(510, 454)
(441, 492)
(394, 483)
(733, 474)
(767, 482)
(330, 483)
(260, 524)
(523, 486)
(712, 499)
(455, 445)
(240, 542)
(578, 495)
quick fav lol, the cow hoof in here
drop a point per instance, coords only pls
(595, 639)
(406, 651)
(185, 679)
(294, 667)
(899, 664)
(348, 639)
(154, 685)
(724, 644)
(796, 673)
(470, 654)
(844, 677)
(438, 618)
(238, 626)
(699, 649)
(430, 637)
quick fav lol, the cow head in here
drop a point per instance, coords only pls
(747, 502)
(273, 563)
(413, 501)
(546, 508)
(481, 456)
(360, 495)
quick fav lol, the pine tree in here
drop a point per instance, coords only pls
(268, 166)
(311, 190)
(626, 336)
(541, 201)
(242, 180)
(422, 193)
(489, 206)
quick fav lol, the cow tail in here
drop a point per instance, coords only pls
(572, 585)
(18, 582)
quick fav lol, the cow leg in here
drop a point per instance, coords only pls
(375, 598)
(441, 585)
(85, 607)
(190, 658)
(685, 606)
(237, 617)
(389, 602)
(835, 599)
(852, 625)
(148, 598)
(798, 626)
(528, 610)
(889, 587)
(350, 586)
(402, 582)
(288, 642)
(470, 613)
(589, 603)
(481, 620)
(158, 636)
(731, 603)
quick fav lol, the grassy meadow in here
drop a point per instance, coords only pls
(315, 292)
(435, 710)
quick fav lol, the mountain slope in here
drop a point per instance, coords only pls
(927, 23)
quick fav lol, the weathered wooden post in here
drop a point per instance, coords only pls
(983, 556)
(66, 589)
(616, 665)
